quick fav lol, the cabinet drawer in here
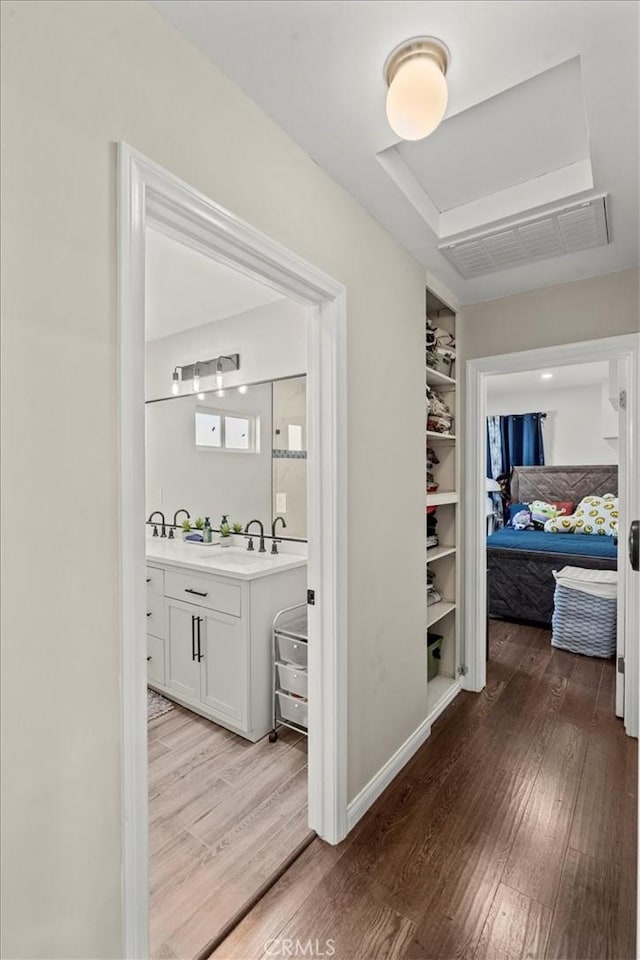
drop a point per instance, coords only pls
(155, 615)
(155, 580)
(292, 709)
(292, 651)
(292, 679)
(205, 592)
(155, 660)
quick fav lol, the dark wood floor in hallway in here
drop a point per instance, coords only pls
(512, 833)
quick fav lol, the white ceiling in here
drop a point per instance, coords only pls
(186, 289)
(577, 375)
(543, 106)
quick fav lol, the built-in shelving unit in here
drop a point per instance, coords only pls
(442, 560)
(437, 553)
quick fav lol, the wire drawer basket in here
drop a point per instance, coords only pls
(289, 672)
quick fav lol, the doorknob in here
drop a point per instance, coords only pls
(634, 544)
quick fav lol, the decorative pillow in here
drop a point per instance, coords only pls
(564, 507)
(598, 515)
(561, 525)
(541, 511)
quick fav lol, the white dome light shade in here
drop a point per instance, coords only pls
(417, 97)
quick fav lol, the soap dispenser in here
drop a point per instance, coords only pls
(206, 530)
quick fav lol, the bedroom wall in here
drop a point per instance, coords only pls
(76, 78)
(574, 427)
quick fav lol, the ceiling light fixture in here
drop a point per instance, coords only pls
(417, 98)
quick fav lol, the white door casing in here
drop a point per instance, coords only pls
(147, 193)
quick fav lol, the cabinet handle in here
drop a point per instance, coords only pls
(148, 579)
(193, 637)
(200, 657)
(149, 613)
(148, 658)
(198, 593)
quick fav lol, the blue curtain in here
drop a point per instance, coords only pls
(522, 440)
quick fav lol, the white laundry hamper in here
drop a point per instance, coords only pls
(585, 611)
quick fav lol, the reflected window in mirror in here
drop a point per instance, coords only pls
(217, 430)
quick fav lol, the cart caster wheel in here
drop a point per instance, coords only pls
(273, 736)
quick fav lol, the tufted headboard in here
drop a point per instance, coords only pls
(562, 483)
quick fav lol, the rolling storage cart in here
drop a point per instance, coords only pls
(290, 644)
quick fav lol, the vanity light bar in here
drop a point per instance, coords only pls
(208, 368)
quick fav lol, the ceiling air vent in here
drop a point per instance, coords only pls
(565, 230)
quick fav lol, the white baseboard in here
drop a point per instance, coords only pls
(388, 772)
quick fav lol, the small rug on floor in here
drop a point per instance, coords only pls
(157, 705)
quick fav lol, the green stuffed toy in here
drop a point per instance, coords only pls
(541, 512)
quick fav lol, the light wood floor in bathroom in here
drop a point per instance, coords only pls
(223, 816)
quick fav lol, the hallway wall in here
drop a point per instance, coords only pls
(77, 78)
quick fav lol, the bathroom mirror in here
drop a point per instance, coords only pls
(240, 452)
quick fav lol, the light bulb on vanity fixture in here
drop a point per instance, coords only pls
(546, 376)
(243, 388)
(196, 379)
(219, 379)
(219, 393)
(176, 376)
(415, 72)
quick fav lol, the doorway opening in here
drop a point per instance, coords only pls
(150, 197)
(613, 362)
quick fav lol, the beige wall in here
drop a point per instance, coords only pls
(76, 78)
(568, 313)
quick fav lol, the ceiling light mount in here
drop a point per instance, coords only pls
(417, 47)
(415, 73)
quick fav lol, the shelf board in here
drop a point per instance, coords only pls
(434, 435)
(434, 376)
(440, 692)
(439, 610)
(436, 553)
(437, 499)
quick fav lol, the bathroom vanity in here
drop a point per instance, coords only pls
(209, 618)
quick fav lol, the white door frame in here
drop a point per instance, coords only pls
(625, 350)
(148, 193)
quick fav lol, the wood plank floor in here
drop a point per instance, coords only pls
(224, 814)
(511, 833)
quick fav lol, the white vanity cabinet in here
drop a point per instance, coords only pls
(216, 643)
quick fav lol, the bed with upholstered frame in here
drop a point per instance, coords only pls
(520, 583)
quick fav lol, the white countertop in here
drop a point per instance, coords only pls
(235, 562)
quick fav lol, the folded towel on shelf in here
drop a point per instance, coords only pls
(432, 542)
(433, 596)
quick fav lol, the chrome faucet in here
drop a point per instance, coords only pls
(250, 544)
(155, 526)
(175, 520)
(274, 542)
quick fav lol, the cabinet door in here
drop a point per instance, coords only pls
(224, 666)
(182, 666)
